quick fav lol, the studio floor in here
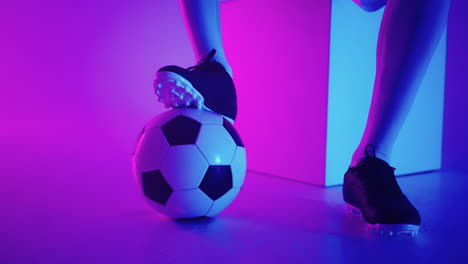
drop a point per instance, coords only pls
(272, 221)
(66, 201)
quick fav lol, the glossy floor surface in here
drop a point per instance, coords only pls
(69, 202)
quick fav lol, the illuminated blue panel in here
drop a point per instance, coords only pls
(353, 44)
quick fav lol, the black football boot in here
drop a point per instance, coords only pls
(207, 85)
(370, 189)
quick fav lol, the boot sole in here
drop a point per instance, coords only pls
(386, 229)
(174, 91)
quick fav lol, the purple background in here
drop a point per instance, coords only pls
(64, 63)
(76, 90)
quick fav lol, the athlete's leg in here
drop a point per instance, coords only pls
(409, 34)
(208, 84)
(202, 20)
(371, 5)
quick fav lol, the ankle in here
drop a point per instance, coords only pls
(369, 150)
(219, 57)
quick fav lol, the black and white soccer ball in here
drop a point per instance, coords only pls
(189, 163)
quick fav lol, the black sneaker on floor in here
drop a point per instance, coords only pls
(206, 85)
(370, 189)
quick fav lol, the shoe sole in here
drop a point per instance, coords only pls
(174, 91)
(386, 229)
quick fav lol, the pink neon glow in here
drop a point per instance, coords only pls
(279, 52)
(76, 90)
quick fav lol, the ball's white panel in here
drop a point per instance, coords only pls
(187, 204)
(239, 167)
(203, 116)
(223, 202)
(151, 149)
(162, 118)
(216, 145)
(183, 167)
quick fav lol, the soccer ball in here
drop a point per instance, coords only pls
(189, 163)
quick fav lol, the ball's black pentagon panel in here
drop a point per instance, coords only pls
(232, 131)
(181, 130)
(217, 181)
(155, 187)
(162, 118)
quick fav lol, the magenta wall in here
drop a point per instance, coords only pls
(77, 77)
(279, 53)
(76, 88)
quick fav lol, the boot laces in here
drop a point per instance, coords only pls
(203, 62)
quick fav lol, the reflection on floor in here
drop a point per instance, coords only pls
(272, 221)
